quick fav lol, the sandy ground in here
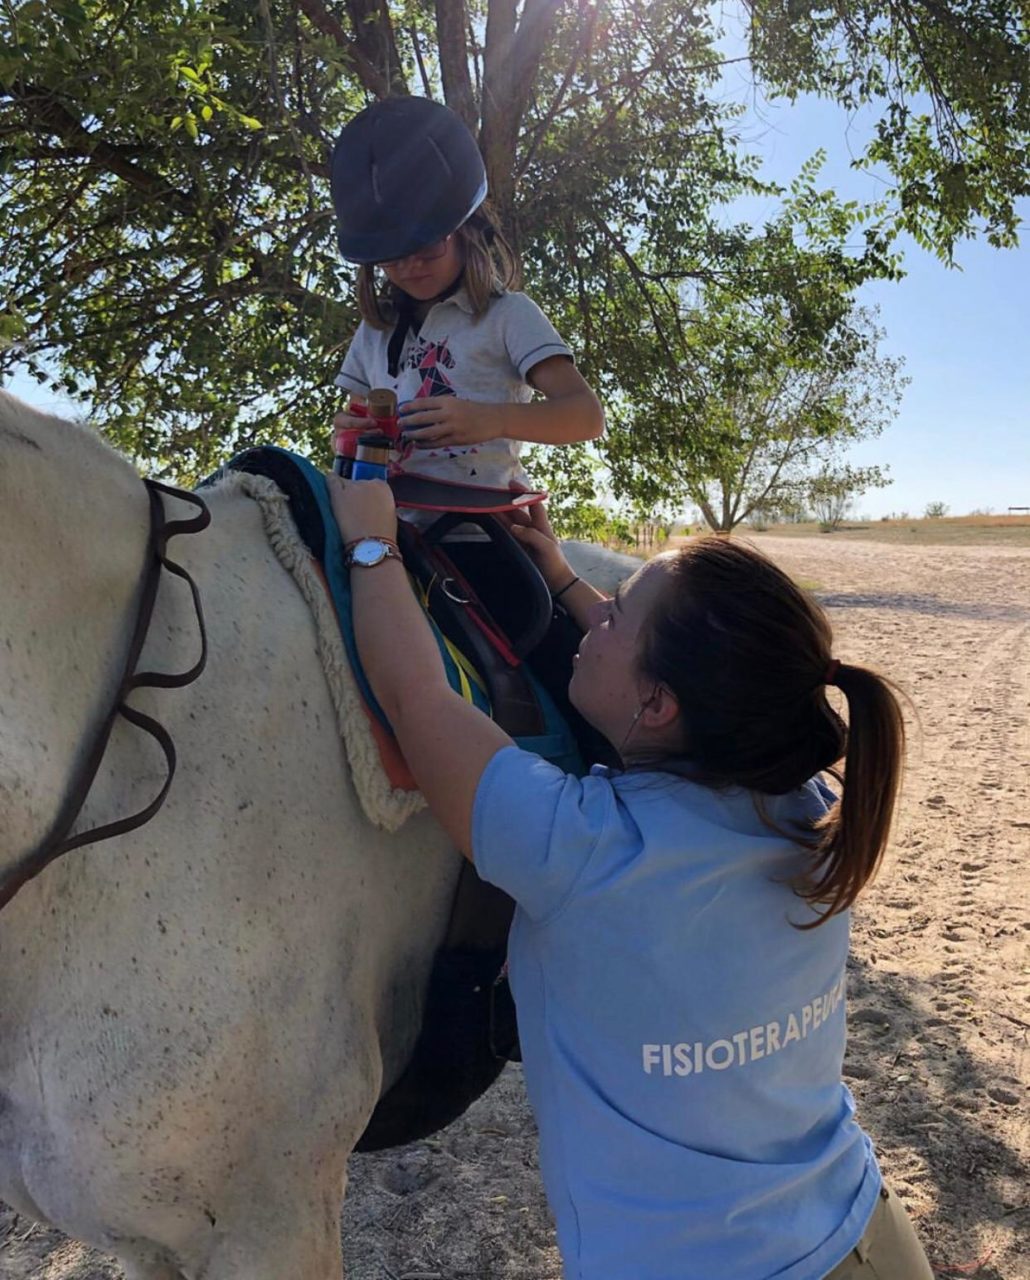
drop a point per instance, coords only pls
(939, 979)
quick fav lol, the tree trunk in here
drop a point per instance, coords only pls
(510, 63)
(452, 41)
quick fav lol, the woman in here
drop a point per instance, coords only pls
(678, 951)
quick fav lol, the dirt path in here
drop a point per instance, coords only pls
(939, 981)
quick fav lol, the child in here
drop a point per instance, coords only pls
(462, 352)
(679, 946)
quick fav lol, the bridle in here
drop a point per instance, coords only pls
(58, 842)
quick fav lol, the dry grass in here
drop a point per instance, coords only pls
(954, 531)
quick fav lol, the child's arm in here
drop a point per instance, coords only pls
(571, 412)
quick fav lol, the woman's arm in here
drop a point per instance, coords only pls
(446, 742)
(578, 598)
(571, 412)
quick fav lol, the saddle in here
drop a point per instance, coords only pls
(490, 610)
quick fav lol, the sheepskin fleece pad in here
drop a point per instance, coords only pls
(385, 806)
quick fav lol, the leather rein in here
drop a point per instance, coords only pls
(58, 842)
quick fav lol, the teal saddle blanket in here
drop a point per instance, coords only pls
(306, 489)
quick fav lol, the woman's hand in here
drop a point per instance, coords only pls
(363, 508)
(436, 422)
(531, 527)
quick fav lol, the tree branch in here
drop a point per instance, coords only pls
(589, 20)
(416, 45)
(43, 106)
(638, 279)
(511, 66)
(365, 69)
(373, 33)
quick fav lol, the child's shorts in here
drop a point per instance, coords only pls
(889, 1249)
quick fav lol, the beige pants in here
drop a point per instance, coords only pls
(889, 1250)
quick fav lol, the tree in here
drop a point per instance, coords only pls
(773, 385)
(168, 247)
(943, 75)
(832, 491)
(168, 240)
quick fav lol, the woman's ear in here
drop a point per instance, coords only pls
(661, 710)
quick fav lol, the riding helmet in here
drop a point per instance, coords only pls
(406, 172)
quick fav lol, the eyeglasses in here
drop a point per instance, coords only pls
(427, 254)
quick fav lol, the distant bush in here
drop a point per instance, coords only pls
(935, 510)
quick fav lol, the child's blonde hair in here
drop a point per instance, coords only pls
(490, 267)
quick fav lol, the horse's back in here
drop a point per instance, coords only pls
(194, 1016)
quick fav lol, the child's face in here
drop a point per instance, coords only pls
(428, 273)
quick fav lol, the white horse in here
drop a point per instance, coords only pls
(197, 1018)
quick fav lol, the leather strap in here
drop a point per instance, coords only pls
(58, 842)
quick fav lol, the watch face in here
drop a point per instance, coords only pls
(369, 552)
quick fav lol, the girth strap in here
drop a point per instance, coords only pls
(58, 842)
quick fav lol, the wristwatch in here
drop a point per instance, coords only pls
(366, 553)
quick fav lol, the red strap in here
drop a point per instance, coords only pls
(496, 638)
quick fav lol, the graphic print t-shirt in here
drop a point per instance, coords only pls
(485, 358)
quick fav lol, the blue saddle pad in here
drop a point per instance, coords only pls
(307, 491)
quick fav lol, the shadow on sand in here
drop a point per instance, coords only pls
(928, 605)
(931, 1106)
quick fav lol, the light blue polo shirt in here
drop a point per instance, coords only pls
(682, 1042)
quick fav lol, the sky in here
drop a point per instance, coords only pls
(962, 436)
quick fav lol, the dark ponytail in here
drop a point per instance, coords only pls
(747, 654)
(853, 835)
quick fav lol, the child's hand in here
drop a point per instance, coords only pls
(363, 508)
(435, 422)
(345, 421)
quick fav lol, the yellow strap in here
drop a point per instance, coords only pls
(466, 671)
(463, 680)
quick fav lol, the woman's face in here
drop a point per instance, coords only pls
(606, 687)
(427, 273)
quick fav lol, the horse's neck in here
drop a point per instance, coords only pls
(73, 536)
(601, 567)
